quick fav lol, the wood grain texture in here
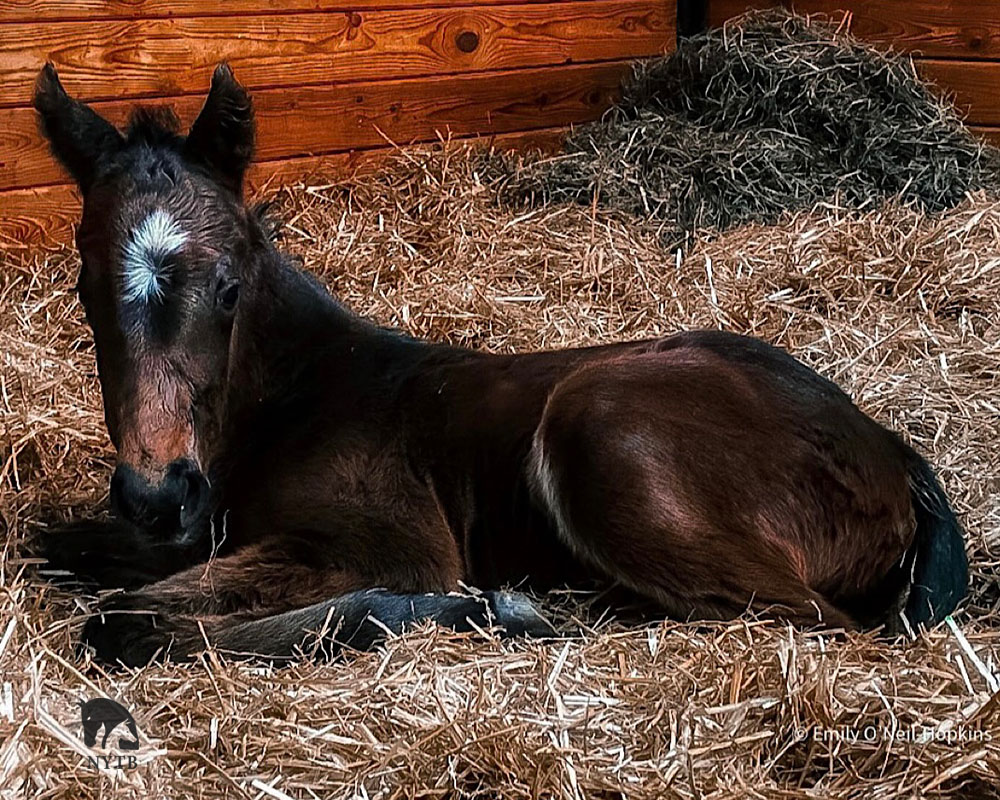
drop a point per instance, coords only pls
(318, 120)
(168, 57)
(990, 135)
(49, 10)
(47, 215)
(721, 10)
(965, 29)
(973, 85)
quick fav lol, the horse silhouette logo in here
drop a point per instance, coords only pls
(102, 711)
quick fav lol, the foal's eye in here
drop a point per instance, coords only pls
(227, 295)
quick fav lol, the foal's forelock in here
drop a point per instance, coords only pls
(147, 254)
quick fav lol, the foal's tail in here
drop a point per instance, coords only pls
(940, 571)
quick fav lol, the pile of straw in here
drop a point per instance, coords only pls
(900, 305)
(771, 113)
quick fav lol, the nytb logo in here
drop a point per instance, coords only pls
(103, 713)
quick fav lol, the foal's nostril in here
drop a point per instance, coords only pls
(130, 496)
(195, 497)
(180, 497)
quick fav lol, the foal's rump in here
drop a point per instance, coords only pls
(714, 473)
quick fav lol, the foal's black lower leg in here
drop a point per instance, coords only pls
(357, 621)
(361, 620)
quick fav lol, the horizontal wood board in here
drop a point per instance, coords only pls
(335, 85)
(319, 120)
(175, 56)
(62, 10)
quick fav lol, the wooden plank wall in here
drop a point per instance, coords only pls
(333, 83)
(955, 43)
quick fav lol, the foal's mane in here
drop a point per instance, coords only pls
(159, 126)
(154, 126)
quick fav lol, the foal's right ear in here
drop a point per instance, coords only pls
(79, 136)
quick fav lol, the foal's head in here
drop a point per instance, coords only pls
(164, 245)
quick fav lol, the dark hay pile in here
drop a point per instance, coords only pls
(772, 113)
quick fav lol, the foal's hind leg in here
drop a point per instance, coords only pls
(673, 498)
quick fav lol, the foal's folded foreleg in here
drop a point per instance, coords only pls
(255, 581)
(357, 620)
(284, 588)
(110, 554)
(361, 620)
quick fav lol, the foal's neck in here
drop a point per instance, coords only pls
(290, 303)
(287, 324)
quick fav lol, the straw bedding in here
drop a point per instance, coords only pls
(900, 305)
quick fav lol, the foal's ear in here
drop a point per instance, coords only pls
(222, 137)
(80, 137)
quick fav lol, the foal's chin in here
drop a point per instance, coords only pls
(196, 533)
(191, 533)
(188, 534)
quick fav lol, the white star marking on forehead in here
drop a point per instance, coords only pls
(153, 241)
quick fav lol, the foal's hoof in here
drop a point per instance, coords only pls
(71, 560)
(122, 633)
(518, 615)
(96, 554)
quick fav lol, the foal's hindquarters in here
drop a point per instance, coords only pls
(716, 474)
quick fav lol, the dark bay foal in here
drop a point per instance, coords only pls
(316, 456)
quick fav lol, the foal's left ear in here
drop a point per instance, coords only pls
(223, 135)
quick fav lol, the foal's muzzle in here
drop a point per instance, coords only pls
(174, 506)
